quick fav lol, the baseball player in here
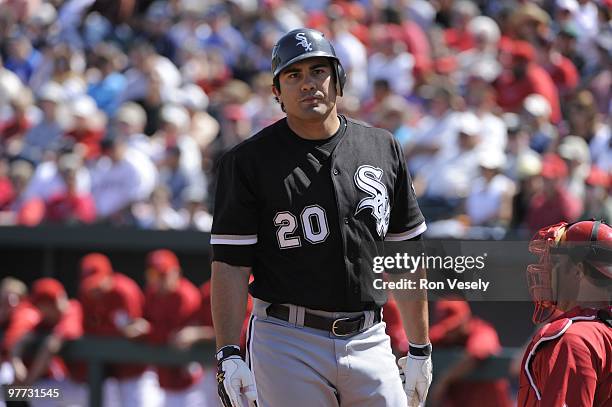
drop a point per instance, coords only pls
(113, 304)
(569, 360)
(172, 303)
(58, 319)
(297, 205)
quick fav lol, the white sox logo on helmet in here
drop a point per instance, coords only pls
(303, 41)
(368, 179)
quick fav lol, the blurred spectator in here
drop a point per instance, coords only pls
(204, 128)
(70, 206)
(130, 123)
(524, 77)
(530, 183)
(172, 304)
(113, 304)
(490, 200)
(116, 182)
(50, 129)
(486, 34)
(437, 129)
(598, 202)
(22, 58)
(598, 73)
(444, 183)
(19, 123)
(108, 82)
(585, 122)
(517, 145)
(380, 91)
(56, 319)
(459, 36)
(350, 50)
(157, 213)
(7, 193)
(88, 125)
(566, 44)
(195, 213)
(554, 203)
(480, 98)
(536, 119)
(575, 151)
(390, 60)
(393, 116)
(455, 327)
(561, 69)
(173, 176)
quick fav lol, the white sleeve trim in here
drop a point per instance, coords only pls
(234, 240)
(398, 237)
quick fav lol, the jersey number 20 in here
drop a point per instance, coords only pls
(314, 225)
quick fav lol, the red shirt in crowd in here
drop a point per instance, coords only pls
(480, 343)
(90, 138)
(547, 210)
(569, 363)
(22, 320)
(511, 91)
(108, 312)
(563, 73)
(7, 193)
(66, 207)
(168, 313)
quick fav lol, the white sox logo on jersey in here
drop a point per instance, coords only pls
(367, 179)
(303, 41)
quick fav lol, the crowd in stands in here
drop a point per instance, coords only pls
(116, 111)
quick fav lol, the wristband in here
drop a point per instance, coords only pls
(420, 350)
(227, 351)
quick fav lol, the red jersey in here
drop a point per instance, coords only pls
(20, 322)
(480, 343)
(109, 312)
(569, 363)
(512, 92)
(65, 207)
(168, 313)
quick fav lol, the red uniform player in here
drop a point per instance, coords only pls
(569, 361)
(172, 303)
(455, 327)
(56, 319)
(113, 304)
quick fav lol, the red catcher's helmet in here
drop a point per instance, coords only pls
(587, 241)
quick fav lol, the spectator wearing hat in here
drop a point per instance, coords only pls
(529, 183)
(172, 303)
(459, 36)
(490, 200)
(455, 327)
(486, 34)
(524, 78)
(21, 210)
(536, 115)
(70, 206)
(585, 122)
(113, 304)
(49, 130)
(597, 201)
(480, 99)
(444, 184)
(554, 203)
(390, 60)
(575, 151)
(88, 125)
(57, 319)
(130, 122)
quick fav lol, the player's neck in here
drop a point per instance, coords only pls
(315, 130)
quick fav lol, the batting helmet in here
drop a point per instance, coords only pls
(585, 241)
(305, 43)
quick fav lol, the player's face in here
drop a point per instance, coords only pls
(307, 89)
(565, 281)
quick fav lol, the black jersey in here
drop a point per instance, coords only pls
(303, 213)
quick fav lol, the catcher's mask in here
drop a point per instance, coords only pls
(589, 242)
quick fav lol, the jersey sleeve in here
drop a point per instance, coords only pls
(566, 374)
(234, 230)
(406, 221)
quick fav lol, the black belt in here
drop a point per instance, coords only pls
(340, 327)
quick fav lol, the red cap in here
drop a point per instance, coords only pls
(450, 314)
(598, 178)
(46, 290)
(94, 268)
(553, 167)
(163, 261)
(523, 50)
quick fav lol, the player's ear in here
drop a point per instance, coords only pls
(275, 90)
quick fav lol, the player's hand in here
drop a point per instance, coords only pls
(234, 379)
(416, 372)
